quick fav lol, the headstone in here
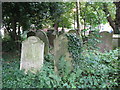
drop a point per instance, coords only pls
(32, 54)
(61, 50)
(31, 33)
(72, 31)
(116, 41)
(106, 41)
(43, 36)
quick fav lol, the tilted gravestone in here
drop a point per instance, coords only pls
(32, 54)
(42, 35)
(106, 41)
(61, 50)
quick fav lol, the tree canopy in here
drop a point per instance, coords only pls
(18, 15)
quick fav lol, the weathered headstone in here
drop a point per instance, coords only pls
(31, 33)
(32, 54)
(116, 41)
(43, 36)
(61, 50)
(72, 31)
(106, 41)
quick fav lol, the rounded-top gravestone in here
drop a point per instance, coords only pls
(43, 36)
(32, 54)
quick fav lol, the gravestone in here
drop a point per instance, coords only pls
(72, 31)
(116, 41)
(32, 54)
(31, 33)
(43, 36)
(106, 41)
(61, 50)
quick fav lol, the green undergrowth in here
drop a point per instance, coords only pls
(92, 69)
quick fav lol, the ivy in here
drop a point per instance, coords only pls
(74, 46)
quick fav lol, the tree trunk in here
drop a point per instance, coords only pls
(19, 38)
(115, 24)
(13, 33)
(109, 18)
(117, 20)
(77, 17)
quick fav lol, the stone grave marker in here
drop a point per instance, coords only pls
(116, 41)
(43, 36)
(106, 41)
(31, 33)
(72, 31)
(32, 54)
(61, 50)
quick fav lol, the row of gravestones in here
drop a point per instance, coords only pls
(37, 45)
(32, 55)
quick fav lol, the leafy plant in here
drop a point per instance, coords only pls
(92, 70)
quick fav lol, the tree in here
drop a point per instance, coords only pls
(115, 24)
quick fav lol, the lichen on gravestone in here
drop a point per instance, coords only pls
(61, 50)
(32, 54)
(43, 36)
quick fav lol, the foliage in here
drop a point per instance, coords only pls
(92, 69)
(8, 45)
(95, 70)
(74, 46)
(92, 40)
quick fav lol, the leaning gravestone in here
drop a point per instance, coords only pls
(61, 50)
(106, 41)
(32, 54)
(43, 36)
